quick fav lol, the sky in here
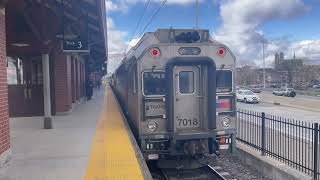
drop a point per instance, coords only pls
(291, 26)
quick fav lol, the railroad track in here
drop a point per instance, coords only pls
(203, 173)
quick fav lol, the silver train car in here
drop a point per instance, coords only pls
(176, 87)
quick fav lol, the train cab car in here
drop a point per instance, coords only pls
(177, 88)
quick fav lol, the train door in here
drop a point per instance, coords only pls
(187, 98)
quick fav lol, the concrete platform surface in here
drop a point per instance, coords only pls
(115, 154)
(56, 154)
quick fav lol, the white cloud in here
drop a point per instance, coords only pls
(114, 61)
(180, 2)
(110, 6)
(116, 45)
(239, 30)
(133, 42)
(116, 56)
(116, 38)
(309, 49)
(240, 26)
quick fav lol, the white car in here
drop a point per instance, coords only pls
(316, 86)
(247, 96)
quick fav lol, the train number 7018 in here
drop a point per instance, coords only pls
(188, 122)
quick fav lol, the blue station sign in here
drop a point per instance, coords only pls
(75, 45)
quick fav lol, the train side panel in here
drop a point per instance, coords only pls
(133, 98)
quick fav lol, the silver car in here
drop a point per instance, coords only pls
(289, 92)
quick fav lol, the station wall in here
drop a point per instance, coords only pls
(69, 80)
(4, 114)
(62, 71)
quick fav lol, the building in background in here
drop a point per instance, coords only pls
(282, 64)
(286, 72)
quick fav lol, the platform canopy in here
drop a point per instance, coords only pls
(36, 26)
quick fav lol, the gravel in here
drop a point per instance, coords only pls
(230, 164)
(236, 168)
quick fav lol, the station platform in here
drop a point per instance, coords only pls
(92, 143)
(115, 154)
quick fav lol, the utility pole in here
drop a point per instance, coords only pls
(197, 15)
(264, 66)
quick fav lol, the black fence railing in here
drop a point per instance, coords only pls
(295, 143)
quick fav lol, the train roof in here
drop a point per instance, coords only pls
(172, 36)
(168, 36)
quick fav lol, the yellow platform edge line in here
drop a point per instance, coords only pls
(112, 156)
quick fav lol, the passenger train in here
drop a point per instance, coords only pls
(176, 87)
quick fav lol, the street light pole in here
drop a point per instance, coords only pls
(264, 66)
(197, 16)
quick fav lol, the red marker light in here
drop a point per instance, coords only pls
(155, 52)
(221, 52)
(222, 140)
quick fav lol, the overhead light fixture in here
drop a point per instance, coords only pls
(20, 44)
(66, 36)
(47, 42)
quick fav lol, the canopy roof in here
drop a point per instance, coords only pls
(35, 26)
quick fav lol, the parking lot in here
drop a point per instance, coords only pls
(284, 111)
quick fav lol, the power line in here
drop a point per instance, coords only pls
(150, 20)
(134, 32)
(157, 11)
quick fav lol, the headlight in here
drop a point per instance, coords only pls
(152, 126)
(226, 122)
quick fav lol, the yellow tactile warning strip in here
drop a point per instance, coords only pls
(112, 156)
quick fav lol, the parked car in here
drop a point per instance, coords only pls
(278, 92)
(289, 92)
(255, 89)
(274, 86)
(316, 86)
(247, 96)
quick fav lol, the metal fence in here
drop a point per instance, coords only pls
(295, 143)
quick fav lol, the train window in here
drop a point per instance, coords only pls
(224, 81)
(132, 76)
(135, 79)
(186, 82)
(154, 83)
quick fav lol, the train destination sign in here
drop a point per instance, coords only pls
(154, 108)
(75, 45)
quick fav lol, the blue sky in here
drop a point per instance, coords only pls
(299, 28)
(287, 25)
(171, 15)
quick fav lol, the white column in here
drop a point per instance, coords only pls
(46, 92)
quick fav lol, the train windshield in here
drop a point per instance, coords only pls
(154, 83)
(224, 81)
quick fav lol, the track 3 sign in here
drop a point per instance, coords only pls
(75, 45)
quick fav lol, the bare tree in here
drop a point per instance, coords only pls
(246, 75)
